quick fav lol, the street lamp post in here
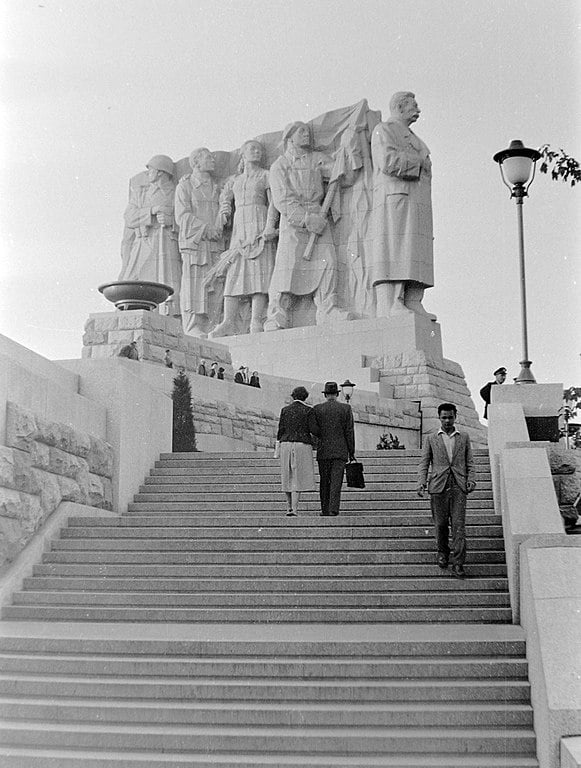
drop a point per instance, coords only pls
(516, 164)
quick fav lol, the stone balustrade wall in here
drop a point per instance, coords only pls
(43, 463)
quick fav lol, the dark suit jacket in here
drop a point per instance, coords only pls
(435, 456)
(293, 425)
(332, 423)
(485, 395)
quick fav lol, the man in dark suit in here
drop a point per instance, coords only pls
(447, 453)
(499, 378)
(332, 423)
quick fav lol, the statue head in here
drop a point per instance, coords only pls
(160, 163)
(299, 134)
(403, 106)
(202, 159)
(251, 151)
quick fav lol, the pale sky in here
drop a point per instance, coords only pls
(93, 88)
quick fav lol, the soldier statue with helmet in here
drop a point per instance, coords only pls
(151, 231)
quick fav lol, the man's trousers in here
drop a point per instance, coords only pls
(449, 513)
(331, 479)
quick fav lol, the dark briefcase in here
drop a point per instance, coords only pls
(354, 474)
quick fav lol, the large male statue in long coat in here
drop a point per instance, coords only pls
(402, 256)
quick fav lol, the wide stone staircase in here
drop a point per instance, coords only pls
(204, 628)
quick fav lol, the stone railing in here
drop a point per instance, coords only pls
(42, 464)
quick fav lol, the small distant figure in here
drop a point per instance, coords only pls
(499, 378)
(295, 448)
(447, 461)
(220, 374)
(202, 368)
(167, 359)
(332, 423)
(129, 351)
(239, 376)
(254, 380)
(213, 370)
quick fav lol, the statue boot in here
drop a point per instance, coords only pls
(278, 306)
(414, 293)
(259, 306)
(195, 325)
(228, 326)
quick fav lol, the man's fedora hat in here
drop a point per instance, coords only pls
(331, 388)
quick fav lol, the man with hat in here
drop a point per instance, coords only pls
(332, 423)
(499, 378)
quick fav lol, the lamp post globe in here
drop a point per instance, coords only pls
(347, 389)
(517, 166)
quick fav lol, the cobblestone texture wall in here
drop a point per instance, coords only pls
(42, 464)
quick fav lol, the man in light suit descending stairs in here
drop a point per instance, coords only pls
(447, 453)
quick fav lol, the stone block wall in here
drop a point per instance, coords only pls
(416, 376)
(43, 463)
(107, 332)
(257, 428)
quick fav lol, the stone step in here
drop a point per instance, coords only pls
(282, 546)
(444, 690)
(23, 758)
(281, 668)
(221, 493)
(147, 583)
(372, 489)
(376, 482)
(275, 522)
(268, 600)
(347, 505)
(484, 570)
(480, 614)
(267, 714)
(281, 528)
(272, 469)
(270, 740)
(280, 556)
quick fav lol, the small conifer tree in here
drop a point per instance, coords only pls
(184, 433)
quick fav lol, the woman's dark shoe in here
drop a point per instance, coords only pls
(458, 572)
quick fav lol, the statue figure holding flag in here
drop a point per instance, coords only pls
(306, 261)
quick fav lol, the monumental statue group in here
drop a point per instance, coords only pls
(327, 220)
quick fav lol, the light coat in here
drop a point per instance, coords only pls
(436, 465)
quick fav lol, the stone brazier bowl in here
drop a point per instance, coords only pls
(136, 294)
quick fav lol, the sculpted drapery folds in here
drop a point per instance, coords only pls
(248, 263)
(402, 211)
(151, 251)
(200, 241)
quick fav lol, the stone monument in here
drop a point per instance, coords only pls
(321, 236)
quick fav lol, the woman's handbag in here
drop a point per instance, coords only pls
(354, 474)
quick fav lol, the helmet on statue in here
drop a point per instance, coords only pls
(161, 163)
